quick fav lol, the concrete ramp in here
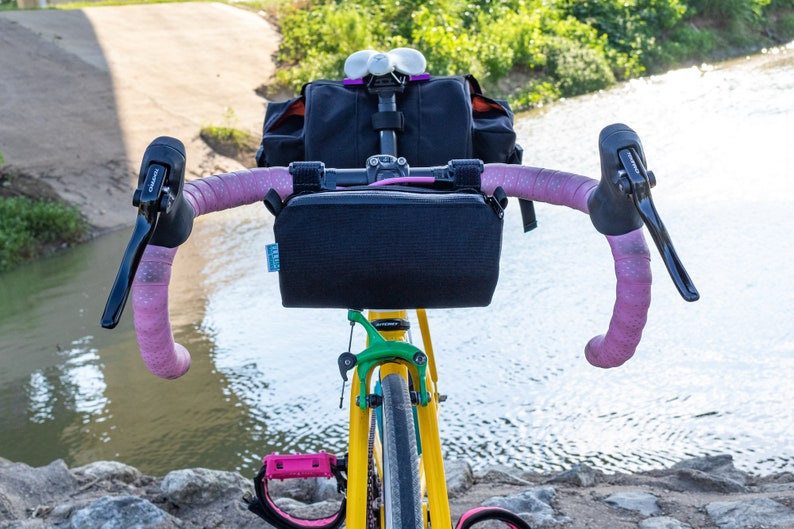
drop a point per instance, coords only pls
(82, 92)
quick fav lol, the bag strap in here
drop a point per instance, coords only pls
(306, 176)
(388, 120)
(466, 174)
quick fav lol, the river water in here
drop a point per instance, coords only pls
(709, 377)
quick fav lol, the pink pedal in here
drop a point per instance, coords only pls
(299, 466)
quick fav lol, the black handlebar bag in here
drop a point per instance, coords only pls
(389, 247)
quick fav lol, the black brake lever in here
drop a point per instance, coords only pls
(164, 217)
(622, 201)
(640, 182)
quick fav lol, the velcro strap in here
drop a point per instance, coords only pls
(306, 176)
(528, 217)
(388, 120)
(466, 174)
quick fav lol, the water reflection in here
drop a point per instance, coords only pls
(709, 377)
(80, 385)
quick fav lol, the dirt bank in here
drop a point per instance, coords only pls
(84, 91)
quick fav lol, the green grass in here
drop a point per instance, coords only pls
(31, 228)
(228, 140)
(229, 135)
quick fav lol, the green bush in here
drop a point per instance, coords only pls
(633, 28)
(578, 69)
(534, 93)
(781, 19)
(488, 38)
(30, 228)
(317, 40)
(730, 11)
(785, 27)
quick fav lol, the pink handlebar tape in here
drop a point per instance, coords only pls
(167, 359)
(162, 356)
(631, 255)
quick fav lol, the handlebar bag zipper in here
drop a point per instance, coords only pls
(389, 247)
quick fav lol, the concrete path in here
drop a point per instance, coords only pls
(83, 92)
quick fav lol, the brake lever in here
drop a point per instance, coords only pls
(640, 182)
(622, 201)
(161, 208)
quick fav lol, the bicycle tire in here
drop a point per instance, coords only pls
(401, 489)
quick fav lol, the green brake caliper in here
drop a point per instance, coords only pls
(380, 351)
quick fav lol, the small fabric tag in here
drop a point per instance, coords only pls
(273, 264)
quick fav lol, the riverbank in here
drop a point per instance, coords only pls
(700, 493)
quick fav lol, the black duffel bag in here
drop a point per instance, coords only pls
(439, 119)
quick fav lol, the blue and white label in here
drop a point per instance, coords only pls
(273, 263)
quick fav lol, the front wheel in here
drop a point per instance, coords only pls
(402, 492)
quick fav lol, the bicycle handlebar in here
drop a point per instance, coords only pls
(618, 206)
(167, 359)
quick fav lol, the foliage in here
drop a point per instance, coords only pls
(29, 228)
(488, 38)
(729, 10)
(632, 27)
(578, 69)
(528, 50)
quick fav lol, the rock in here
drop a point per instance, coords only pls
(122, 512)
(460, 477)
(309, 490)
(321, 509)
(581, 475)
(719, 467)
(327, 490)
(534, 505)
(501, 474)
(663, 522)
(109, 494)
(201, 486)
(756, 512)
(302, 490)
(710, 482)
(780, 482)
(642, 502)
(776, 487)
(24, 488)
(107, 470)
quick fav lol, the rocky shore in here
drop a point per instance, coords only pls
(707, 492)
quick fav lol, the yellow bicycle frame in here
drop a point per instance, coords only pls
(431, 462)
